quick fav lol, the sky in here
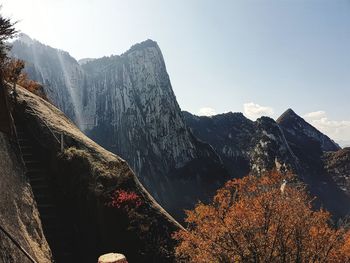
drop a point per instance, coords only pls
(259, 57)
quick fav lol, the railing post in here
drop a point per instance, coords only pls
(62, 143)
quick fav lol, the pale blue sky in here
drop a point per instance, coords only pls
(219, 54)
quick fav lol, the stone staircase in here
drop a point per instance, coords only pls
(57, 235)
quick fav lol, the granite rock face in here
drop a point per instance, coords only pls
(294, 125)
(18, 209)
(56, 70)
(127, 105)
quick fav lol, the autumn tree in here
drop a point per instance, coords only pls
(254, 220)
(12, 70)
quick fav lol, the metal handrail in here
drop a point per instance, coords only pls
(18, 245)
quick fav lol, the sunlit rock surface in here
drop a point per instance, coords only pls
(19, 215)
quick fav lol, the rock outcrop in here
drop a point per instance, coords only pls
(95, 191)
(337, 165)
(19, 215)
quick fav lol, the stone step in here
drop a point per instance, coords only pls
(40, 186)
(26, 148)
(37, 179)
(42, 198)
(45, 209)
(36, 173)
(59, 238)
(32, 164)
(23, 140)
(28, 157)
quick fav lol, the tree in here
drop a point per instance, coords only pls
(12, 70)
(7, 31)
(252, 220)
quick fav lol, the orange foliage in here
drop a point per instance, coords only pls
(252, 220)
(13, 74)
(31, 86)
(13, 69)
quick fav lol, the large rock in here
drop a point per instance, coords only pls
(86, 179)
(19, 215)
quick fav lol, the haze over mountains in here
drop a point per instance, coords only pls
(126, 104)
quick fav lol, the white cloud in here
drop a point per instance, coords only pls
(206, 111)
(316, 115)
(337, 130)
(254, 111)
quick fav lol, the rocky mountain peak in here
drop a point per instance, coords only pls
(288, 114)
(143, 45)
(303, 131)
(24, 38)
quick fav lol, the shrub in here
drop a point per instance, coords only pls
(125, 200)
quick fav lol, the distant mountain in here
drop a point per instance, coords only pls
(127, 105)
(244, 146)
(297, 127)
(289, 144)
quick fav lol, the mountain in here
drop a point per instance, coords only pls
(244, 146)
(288, 144)
(127, 105)
(295, 126)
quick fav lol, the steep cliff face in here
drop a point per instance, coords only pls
(126, 104)
(59, 73)
(135, 113)
(95, 192)
(295, 126)
(245, 146)
(18, 211)
(337, 165)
